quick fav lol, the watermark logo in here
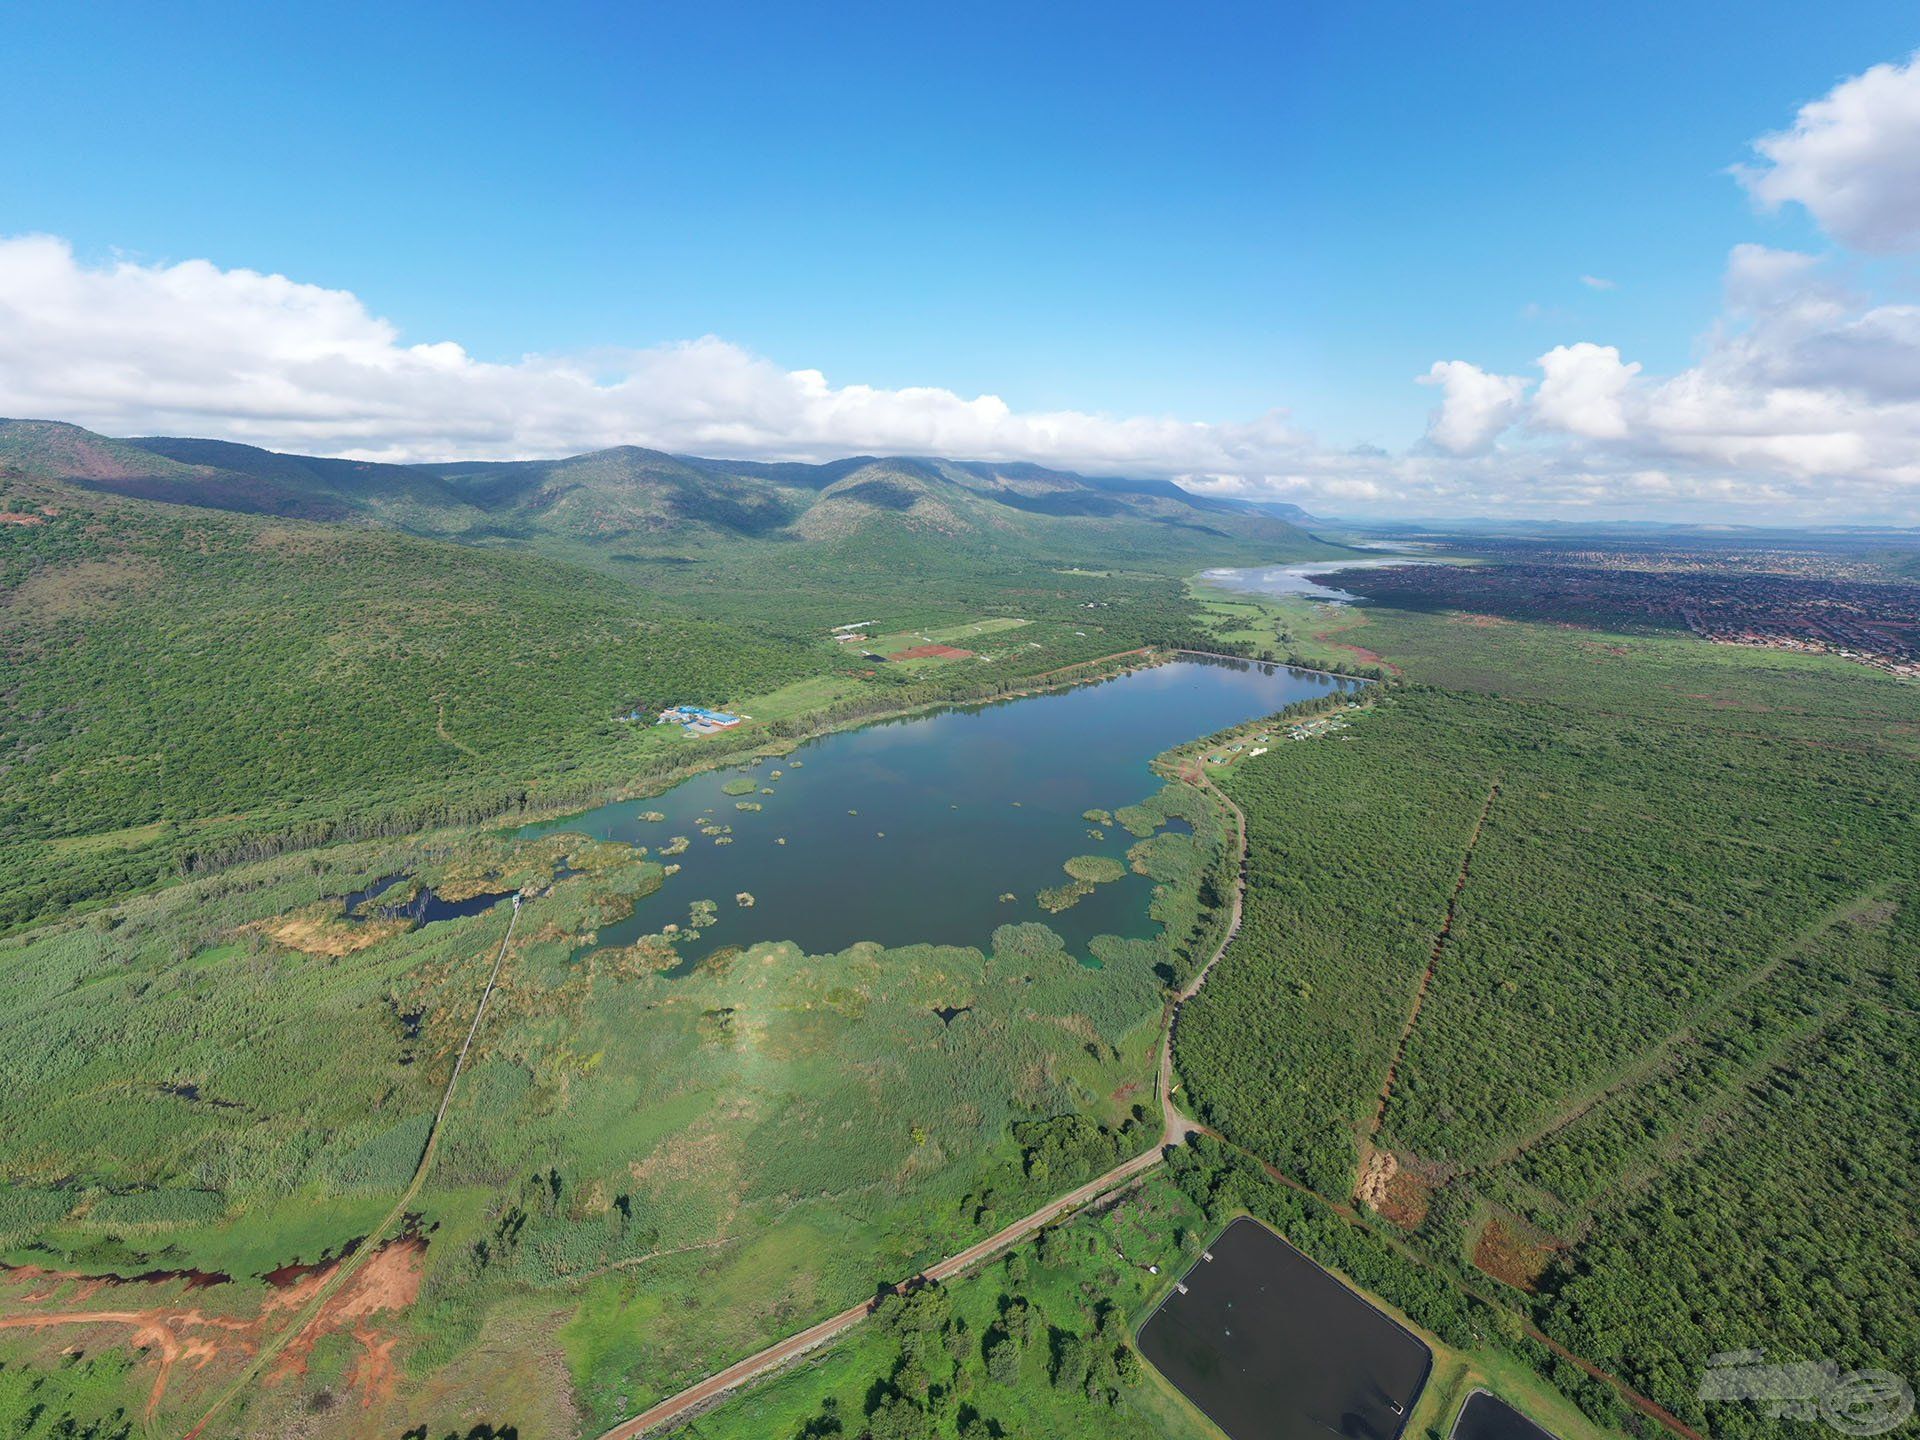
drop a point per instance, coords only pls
(1854, 1402)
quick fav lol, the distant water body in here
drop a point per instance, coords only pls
(912, 830)
(1294, 579)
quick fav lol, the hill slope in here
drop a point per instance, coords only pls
(632, 499)
(178, 676)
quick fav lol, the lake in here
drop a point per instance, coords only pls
(1293, 579)
(1272, 1347)
(912, 830)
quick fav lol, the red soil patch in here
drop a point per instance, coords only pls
(932, 652)
(1359, 652)
(170, 1333)
(1513, 1254)
(1406, 1199)
(390, 1280)
(16, 517)
(167, 1333)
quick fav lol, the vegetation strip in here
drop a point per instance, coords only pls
(753, 1367)
(350, 1263)
(1433, 963)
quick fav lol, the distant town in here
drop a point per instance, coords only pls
(1873, 622)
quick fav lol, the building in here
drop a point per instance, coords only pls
(698, 721)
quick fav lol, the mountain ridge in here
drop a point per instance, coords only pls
(629, 492)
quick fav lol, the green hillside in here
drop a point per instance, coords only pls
(630, 499)
(181, 679)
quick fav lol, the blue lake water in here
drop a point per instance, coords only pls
(913, 830)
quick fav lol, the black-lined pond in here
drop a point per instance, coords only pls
(916, 830)
(1272, 1347)
(1486, 1416)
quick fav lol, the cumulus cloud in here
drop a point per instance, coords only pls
(191, 348)
(1852, 158)
(1804, 401)
(1474, 406)
(1805, 398)
(1583, 389)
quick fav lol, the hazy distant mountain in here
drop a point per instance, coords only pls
(638, 499)
(1280, 510)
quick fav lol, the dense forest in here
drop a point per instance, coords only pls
(1595, 975)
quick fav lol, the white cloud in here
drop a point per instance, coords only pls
(1598, 282)
(1474, 406)
(1583, 389)
(1758, 276)
(190, 348)
(1852, 158)
(1804, 402)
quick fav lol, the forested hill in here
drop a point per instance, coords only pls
(629, 498)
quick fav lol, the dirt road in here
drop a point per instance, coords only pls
(696, 1398)
(1174, 1122)
(345, 1270)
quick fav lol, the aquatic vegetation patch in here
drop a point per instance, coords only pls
(1095, 869)
(740, 785)
(1056, 898)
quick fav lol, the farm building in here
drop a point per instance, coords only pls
(697, 721)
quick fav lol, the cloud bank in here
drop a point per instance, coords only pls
(190, 348)
(1804, 402)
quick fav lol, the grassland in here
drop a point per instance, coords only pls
(642, 1176)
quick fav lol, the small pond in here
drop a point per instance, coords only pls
(1272, 1347)
(917, 829)
(1486, 1416)
(421, 907)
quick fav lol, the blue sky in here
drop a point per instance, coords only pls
(1126, 210)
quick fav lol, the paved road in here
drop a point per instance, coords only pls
(1174, 1129)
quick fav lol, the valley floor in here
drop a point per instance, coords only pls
(1568, 1012)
